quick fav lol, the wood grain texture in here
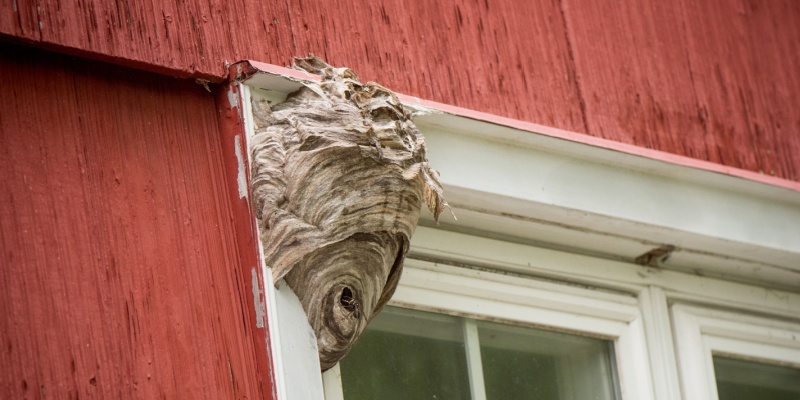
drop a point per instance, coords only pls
(501, 57)
(251, 292)
(714, 80)
(339, 172)
(120, 276)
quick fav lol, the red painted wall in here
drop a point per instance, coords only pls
(126, 255)
(121, 270)
(715, 80)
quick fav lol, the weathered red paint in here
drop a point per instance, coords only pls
(713, 80)
(126, 252)
(122, 268)
(237, 174)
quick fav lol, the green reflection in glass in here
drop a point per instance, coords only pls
(748, 380)
(407, 354)
(525, 363)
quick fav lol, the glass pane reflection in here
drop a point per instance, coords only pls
(748, 380)
(409, 354)
(525, 363)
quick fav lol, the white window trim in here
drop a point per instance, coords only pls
(459, 248)
(488, 295)
(562, 188)
(583, 197)
(292, 341)
(701, 333)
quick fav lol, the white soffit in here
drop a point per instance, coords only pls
(533, 184)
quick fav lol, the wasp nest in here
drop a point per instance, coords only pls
(339, 172)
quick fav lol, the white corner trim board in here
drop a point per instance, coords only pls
(293, 344)
(292, 341)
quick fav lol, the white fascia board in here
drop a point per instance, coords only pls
(574, 195)
(566, 190)
(443, 248)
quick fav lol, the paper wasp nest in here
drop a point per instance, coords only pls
(338, 176)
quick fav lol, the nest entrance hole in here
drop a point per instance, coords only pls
(349, 302)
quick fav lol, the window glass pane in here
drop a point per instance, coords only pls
(747, 380)
(406, 354)
(525, 363)
(409, 354)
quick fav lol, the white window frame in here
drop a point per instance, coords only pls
(488, 295)
(701, 333)
(579, 196)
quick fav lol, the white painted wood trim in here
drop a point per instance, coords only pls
(450, 289)
(537, 183)
(753, 350)
(555, 183)
(472, 347)
(480, 294)
(332, 382)
(633, 364)
(736, 242)
(461, 249)
(658, 330)
(293, 344)
(700, 333)
(276, 350)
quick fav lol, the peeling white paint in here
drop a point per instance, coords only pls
(259, 306)
(241, 176)
(233, 99)
(417, 106)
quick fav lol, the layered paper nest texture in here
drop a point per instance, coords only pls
(339, 172)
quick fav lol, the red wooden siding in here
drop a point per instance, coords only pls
(120, 274)
(715, 80)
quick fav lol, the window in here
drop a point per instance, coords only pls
(635, 324)
(409, 354)
(495, 336)
(732, 356)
